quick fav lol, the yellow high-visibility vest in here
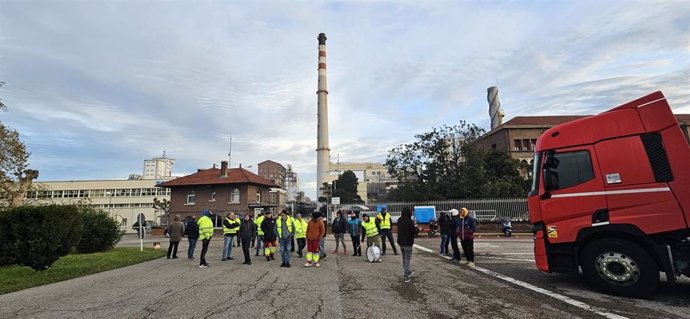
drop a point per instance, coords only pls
(231, 231)
(279, 225)
(370, 228)
(258, 222)
(300, 228)
(205, 227)
(385, 222)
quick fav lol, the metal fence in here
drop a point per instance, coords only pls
(484, 209)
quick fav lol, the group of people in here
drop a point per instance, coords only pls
(269, 231)
(459, 225)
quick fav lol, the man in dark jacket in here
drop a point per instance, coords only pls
(247, 232)
(466, 234)
(454, 223)
(192, 231)
(339, 230)
(406, 232)
(268, 226)
(176, 230)
(443, 222)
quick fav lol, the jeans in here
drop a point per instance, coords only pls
(259, 241)
(173, 248)
(227, 246)
(454, 245)
(356, 247)
(406, 256)
(301, 242)
(340, 238)
(445, 240)
(322, 247)
(192, 245)
(285, 245)
(386, 233)
(204, 249)
(245, 249)
(468, 248)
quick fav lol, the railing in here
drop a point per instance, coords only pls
(484, 209)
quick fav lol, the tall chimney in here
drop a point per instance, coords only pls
(223, 168)
(322, 149)
(495, 111)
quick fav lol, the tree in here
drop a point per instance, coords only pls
(345, 187)
(445, 164)
(15, 178)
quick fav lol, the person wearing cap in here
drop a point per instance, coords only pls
(370, 230)
(454, 223)
(315, 231)
(285, 228)
(259, 231)
(268, 226)
(385, 231)
(230, 227)
(339, 228)
(355, 229)
(406, 232)
(466, 235)
(205, 234)
(300, 234)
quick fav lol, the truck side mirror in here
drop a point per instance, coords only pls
(550, 175)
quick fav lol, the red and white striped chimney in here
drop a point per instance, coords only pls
(322, 149)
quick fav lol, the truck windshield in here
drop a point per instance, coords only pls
(536, 168)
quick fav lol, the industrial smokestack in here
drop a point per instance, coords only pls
(322, 149)
(495, 111)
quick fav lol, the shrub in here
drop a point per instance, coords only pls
(36, 236)
(100, 233)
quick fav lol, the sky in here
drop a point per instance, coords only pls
(96, 87)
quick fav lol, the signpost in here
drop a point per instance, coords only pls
(141, 219)
(335, 201)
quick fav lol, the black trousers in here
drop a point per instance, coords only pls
(204, 249)
(301, 242)
(173, 248)
(292, 244)
(454, 245)
(245, 249)
(468, 248)
(386, 233)
(357, 245)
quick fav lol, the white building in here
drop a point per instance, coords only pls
(159, 167)
(124, 199)
(368, 175)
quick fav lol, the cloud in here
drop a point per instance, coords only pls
(96, 87)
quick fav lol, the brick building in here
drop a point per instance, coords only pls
(220, 190)
(273, 171)
(518, 136)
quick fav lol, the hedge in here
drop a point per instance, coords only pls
(101, 232)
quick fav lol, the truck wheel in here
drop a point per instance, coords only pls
(619, 267)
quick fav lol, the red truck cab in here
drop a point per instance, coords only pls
(611, 196)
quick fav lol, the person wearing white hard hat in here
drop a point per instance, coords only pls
(454, 224)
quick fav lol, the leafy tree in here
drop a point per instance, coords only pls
(346, 188)
(15, 178)
(445, 164)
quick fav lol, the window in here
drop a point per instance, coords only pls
(213, 197)
(124, 222)
(570, 169)
(518, 145)
(272, 199)
(235, 196)
(258, 196)
(191, 197)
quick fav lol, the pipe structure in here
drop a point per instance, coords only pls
(495, 111)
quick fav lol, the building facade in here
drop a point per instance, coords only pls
(159, 167)
(219, 190)
(273, 171)
(373, 178)
(123, 199)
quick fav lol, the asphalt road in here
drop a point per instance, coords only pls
(344, 287)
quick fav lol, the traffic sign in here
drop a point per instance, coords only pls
(335, 201)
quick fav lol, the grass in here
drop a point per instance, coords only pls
(13, 278)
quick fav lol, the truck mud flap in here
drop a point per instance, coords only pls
(540, 252)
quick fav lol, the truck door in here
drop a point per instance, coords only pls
(573, 193)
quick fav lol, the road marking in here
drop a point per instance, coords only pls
(509, 259)
(563, 298)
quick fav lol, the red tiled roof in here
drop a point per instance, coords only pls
(212, 176)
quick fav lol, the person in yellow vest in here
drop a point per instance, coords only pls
(386, 232)
(259, 232)
(205, 233)
(285, 227)
(300, 234)
(370, 231)
(231, 225)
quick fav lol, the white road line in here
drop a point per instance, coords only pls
(566, 299)
(508, 259)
